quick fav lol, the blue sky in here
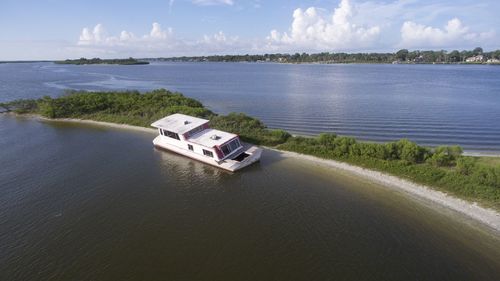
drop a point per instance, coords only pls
(56, 29)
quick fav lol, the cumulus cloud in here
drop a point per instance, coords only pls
(98, 36)
(312, 29)
(219, 42)
(350, 27)
(414, 35)
(88, 36)
(213, 2)
(158, 42)
(158, 33)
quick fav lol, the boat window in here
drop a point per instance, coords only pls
(225, 149)
(190, 147)
(171, 135)
(230, 147)
(195, 131)
(208, 153)
(234, 144)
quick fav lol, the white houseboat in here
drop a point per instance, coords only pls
(192, 137)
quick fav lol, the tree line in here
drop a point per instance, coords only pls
(83, 61)
(403, 55)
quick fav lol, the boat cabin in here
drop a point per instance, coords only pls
(194, 134)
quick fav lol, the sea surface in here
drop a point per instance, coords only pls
(82, 202)
(430, 104)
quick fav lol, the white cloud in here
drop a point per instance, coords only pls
(351, 27)
(414, 35)
(158, 42)
(99, 37)
(218, 43)
(313, 30)
(213, 2)
(158, 33)
(95, 36)
(125, 36)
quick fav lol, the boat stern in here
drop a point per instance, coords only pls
(250, 155)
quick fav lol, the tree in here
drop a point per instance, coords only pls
(402, 54)
(496, 54)
(454, 56)
(477, 51)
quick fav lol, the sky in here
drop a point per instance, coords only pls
(60, 29)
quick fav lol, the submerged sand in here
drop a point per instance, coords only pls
(486, 216)
(472, 210)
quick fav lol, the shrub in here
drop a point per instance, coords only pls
(409, 151)
(465, 165)
(486, 176)
(326, 139)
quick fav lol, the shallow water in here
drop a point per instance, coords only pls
(430, 104)
(82, 202)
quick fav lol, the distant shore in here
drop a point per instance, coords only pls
(84, 61)
(486, 216)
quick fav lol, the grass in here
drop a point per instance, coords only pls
(489, 161)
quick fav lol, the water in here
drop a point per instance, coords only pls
(430, 104)
(79, 202)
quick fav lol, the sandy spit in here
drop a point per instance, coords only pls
(486, 216)
(100, 123)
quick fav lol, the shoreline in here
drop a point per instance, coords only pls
(99, 123)
(486, 216)
(472, 210)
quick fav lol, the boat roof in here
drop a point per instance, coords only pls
(179, 123)
(206, 137)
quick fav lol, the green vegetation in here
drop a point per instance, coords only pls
(139, 109)
(249, 129)
(403, 56)
(82, 61)
(489, 161)
(444, 167)
(118, 107)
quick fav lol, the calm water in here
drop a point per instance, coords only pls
(87, 203)
(430, 104)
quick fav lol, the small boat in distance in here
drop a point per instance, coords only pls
(193, 137)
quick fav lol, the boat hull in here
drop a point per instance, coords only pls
(253, 152)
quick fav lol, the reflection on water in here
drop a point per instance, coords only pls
(91, 203)
(189, 170)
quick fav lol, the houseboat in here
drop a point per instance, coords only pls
(193, 137)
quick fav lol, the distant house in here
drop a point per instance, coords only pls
(493, 61)
(478, 58)
(419, 59)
